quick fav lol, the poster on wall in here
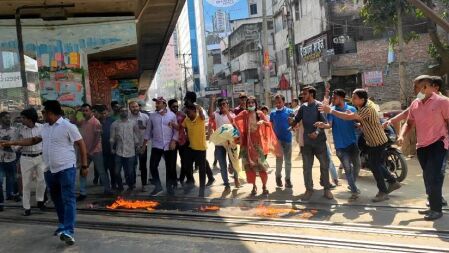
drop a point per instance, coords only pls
(66, 86)
(373, 78)
(123, 90)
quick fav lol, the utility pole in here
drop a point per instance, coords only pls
(402, 72)
(292, 51)
(266, 80)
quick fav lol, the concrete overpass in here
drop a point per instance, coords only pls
(155, 22)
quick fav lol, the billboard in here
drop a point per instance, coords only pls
(217, 19)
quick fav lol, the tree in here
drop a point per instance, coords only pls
(382, 15)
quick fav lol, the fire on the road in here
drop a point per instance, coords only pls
(209, 208)
(133, 204)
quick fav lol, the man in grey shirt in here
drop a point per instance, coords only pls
(314, 143)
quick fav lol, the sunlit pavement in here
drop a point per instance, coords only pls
(284, 204)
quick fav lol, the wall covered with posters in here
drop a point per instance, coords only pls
(61, 51)
(105, 87)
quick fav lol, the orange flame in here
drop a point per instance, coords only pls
(268, 211)
(133, 204)
(209, 208)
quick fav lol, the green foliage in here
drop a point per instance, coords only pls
(433, 52)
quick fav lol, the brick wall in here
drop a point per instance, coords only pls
(372, 55)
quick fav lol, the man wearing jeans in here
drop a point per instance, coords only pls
(314, 143)
(376, 141)
(221, 117)
(430, 115)
(279, 118)
(91, 133)
(8, 156)
(124, 141)
(58, 137)
(345, 140)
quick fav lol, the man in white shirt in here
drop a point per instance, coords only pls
(31, 161)
(58, 136)
(221, 117)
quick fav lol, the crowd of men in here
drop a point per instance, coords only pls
(119, 141)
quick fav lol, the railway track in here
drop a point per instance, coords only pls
(249, 201)
(282, 238)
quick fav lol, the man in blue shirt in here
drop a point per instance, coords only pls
(345, 140)
(279, 118)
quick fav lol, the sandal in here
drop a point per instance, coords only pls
(254, 191)
(265, 191)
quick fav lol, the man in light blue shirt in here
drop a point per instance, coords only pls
(280, 120)
(162, 130)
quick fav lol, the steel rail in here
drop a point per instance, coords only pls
(275, 222)
(237, 235)
(308, 204)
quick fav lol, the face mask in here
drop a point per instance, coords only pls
(161, 111)
(420, 96)
(251, 108)
(277, 109)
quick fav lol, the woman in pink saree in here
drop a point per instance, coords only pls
(257, 139)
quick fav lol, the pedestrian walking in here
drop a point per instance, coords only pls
(345, 140)
(256, 138)
(141, 120)
(430, 115)
(280, 120)
(102, 114)
(221, 117)
(8, 159)
(418, 87)
(182, 144)
(31, 162)
(194, 123)
(58, 136)
(162, 131)
(314, 143)
(91, 132)
(124, 142)
(376, 141)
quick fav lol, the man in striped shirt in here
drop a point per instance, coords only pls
(375, 138)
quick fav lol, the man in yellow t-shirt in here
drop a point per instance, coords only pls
(194, 123)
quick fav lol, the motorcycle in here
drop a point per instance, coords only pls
(394, 161)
